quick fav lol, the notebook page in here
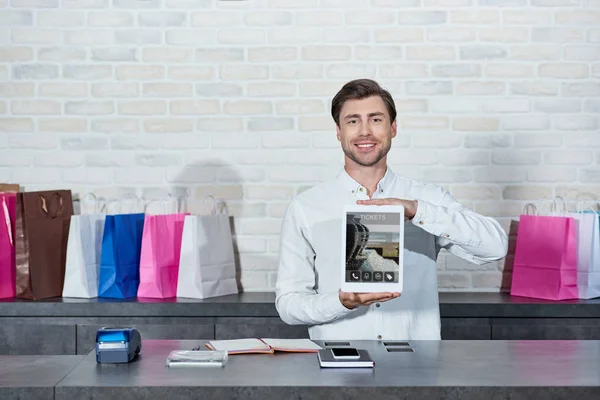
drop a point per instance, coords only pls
(292, 344)
(236, 345)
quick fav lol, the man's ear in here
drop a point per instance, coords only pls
(337, 132)
(394, 126)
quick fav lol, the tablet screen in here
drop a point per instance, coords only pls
(372, 247)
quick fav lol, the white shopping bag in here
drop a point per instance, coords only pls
(83, 253)
(206, 263)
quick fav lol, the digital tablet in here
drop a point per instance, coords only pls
(372, 249)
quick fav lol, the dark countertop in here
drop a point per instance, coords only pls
(449, 369)
(261, 304)
(33, 377)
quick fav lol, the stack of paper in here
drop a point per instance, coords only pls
(264, 345)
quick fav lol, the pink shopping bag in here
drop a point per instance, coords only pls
(8, 214)
(159, 260)
(545, 265)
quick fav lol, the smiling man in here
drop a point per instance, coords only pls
(308, 281)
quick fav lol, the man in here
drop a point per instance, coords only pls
(308, 281)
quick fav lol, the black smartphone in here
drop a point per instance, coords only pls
(345, 353)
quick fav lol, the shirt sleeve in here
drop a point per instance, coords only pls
(297, 301)
(461, 231)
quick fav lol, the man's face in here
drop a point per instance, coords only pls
(365, 130)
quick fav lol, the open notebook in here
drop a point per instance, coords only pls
(267, 346)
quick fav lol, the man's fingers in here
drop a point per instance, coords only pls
(375, 202)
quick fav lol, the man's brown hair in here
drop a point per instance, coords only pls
(359, 89)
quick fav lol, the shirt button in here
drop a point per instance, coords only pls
(378, 336)
(421, 222)
(447, 235)
(361, 189)
(377, 305)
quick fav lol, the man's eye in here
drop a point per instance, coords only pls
(352, 121)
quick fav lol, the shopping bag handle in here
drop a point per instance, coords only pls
(96, 209)
(164, 211)
(44, 205)
(7, 221)
(528, 206)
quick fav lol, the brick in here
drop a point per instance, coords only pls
(185, 141)
(17, 53)
(310, 71)
(139, 175)
(228, 124)
(254, 280)
(267, 54)
(480, 88)
(87, 72)
(166, 54)
(537, 52)
(557, 35)
(532, 122)
(448, 3)
(242, 36)
(422, 17)
(191, 174)
(162, 18)
(593, 35)
(596, 70)
(137, 4)
(581, 53)
(327, 141)
(499, 174)
(506, 105)
(509, 71)
(589, 175)
(189, 4)
(577, 17)
(84, 4)
(243, 174)
(578, 192)
(455, 263)
(480, 52)
(294, 174)
(592, 106)
(456, 70)
(551, 174)
(268, 18)
(344, 3)
(15, 159)
(504, 3)
(463, 158)
(431, 88)
(218, 90)
(555, 3)
(90, 37)
(516, 157)
(134, 142)
(346, 35)
(61, 54)
(219, 55)
(115, 125)
(282, 89)
(404, 106)
(527, 192)
(529, 17)
(251, 157)
(16, 18)
(35, 107)
(397, 70)
(191, 73)
(247, 107)
(16, 124)
(562, 157)
(252, 245)
(232, 72)
(285, 141)
(553, 106)
(538, 140)
(89, 107)
(580, 89)
(371, 18)
(168, 125)
(476, 192)
(60, 18)
(575, 122)
(34, 71)
(87, 176)
(114, 159)
(190, 37)
(292, 3)
(28, 175)
(436, 140)
(62, 125)
(534, 88)
(194, 107)
(81, 143)
(318, 157)
(387, 53)
(457, 106)
(438, 175)
(110, 19)
(140, 72)
(170, 89)
(286, 107)
(450, 34)
(36, 36)
(293, 35)
(430, 53)
(326, 53)
(139, 37)
(399, 35)
(427, 123)
(453, 280)
(115, 90)
(318, 18)
(319, 88)
(475, 124)
(270, 124)
(9, 89)
(316, 123)
(114, 54)
(58, 159)
(475, 16)
(395, 3)
(272, 192)
(512, 35)
(74, 89)
(158, 160)
(142, 107)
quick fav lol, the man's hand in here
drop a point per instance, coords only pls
(353, 300)
(410, 206)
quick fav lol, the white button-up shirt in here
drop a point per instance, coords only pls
(310, 264)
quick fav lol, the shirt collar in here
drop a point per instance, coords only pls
(353, 187)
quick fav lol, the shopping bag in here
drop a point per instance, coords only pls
(161, 246)
(42, 231)
(83, 251)
(8, 209)
(545, 264)
(119, 275)
(9, 187)
(588, 266)
(206, 263)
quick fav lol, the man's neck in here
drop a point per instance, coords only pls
(368, 177)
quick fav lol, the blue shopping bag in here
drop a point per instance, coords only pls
(119, 275)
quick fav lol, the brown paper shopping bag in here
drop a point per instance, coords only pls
(9, 187)
(41, 242)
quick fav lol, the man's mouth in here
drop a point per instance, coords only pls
(365, 146)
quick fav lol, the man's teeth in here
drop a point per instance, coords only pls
(365, 145)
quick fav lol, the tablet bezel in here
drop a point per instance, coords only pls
(361, 287)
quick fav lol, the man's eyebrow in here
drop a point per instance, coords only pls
(373, 114)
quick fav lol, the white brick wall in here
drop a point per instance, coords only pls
(499, 100)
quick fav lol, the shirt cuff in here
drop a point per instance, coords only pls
(334, 306)
(425, 213)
